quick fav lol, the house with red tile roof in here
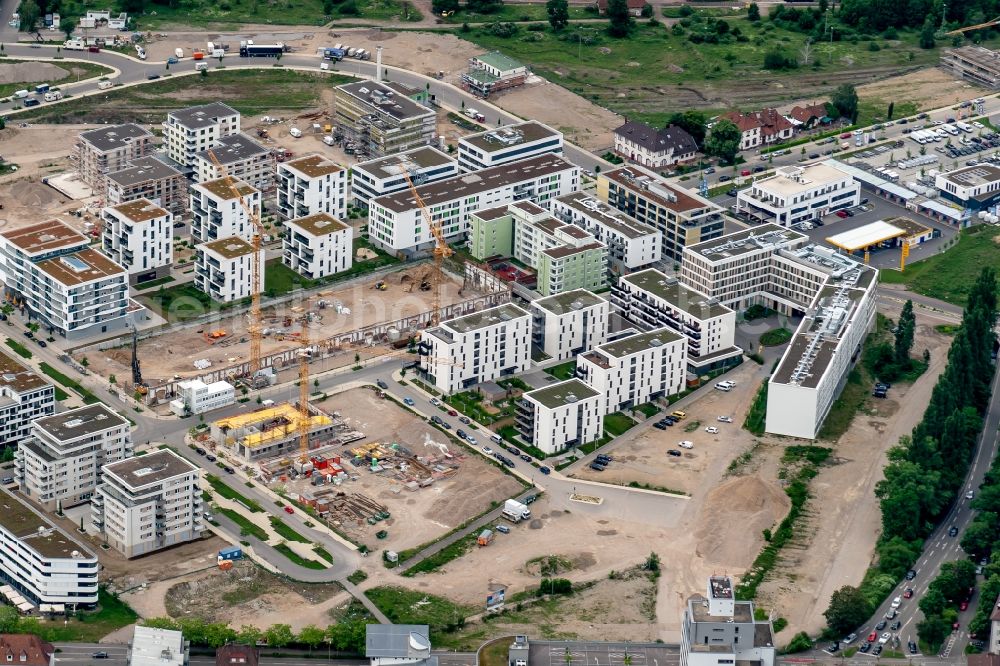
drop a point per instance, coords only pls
(760, 127)
(25, 650)
(634, 7)
(805, 117)
(654, 148)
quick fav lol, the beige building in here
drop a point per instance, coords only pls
(242, 158)
(224, 269)
(138, 236)
(100, 151)
(149, 178)
(317, 246)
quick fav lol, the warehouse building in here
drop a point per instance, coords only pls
(385, 175)
(24, 396)
(506, 144)
(560, 416)
(973, 187)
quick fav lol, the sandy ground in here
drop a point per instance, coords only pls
(31, 71)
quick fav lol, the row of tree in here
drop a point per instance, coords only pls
(939, 604)
(982, 540)
(888, 361)
(347, 636)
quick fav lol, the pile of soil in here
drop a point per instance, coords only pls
(23, 72)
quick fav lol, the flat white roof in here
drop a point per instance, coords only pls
(791, 180)
(862, 237)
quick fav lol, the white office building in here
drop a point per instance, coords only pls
(311, 185)
(975, 187)
(60, 464)
(631, 244)
(568, 324)
(242, 158)
(475, 348)
(636, 369)
(317, 246)
(223, 269)
(508, 144)
(560, 416)
(138, 236)
(197, 397)
(216, 211)
(190, 131)
(378, 177)
(796, 194)
(397, 224)
(24, 396)
(148, 503)
(718, 629)
(158, 647)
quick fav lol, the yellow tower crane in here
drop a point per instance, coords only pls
(441, 248)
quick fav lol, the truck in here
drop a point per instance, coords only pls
(74, 45)
(334, 54)
(250, 50)
(140, 52)
(515, 512)
(231, 553)
(485, 538)
(475, 115)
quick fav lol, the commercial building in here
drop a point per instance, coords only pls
(508, 144)
(44, 564)
(223, 269)
(796, 194)
(148, 503)
(66, 285)
(152, 179)
(719, 629)
(651, 300)
(973, 63)
(631, 244)
(636, 369)
(682, 217)
(197, 397)
(26, 650)
(565, 256)
(560, 416)
(101, 151)
(24, 397)
(158, 647)
(759, 128)
(567, 324)
(272, 431)
(216, 211)
(398, 645)
(317, 246)
(241, 157)
(379, 121)
(493, 71)
(467, 350)
(311, 185)
(138, 236)
(974, 187)
(654, 148)
(894, 232)
(396, 223)
(60, 464)
(384, 175)
(190, 131)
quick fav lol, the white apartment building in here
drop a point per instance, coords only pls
(636, 369)
(158, 647)
(396, 223)
(508, 144)
(60, 464)
(138, 235)
(318, 245)
(475, 348)
(311, 185)
(796, 194)
(242, 158)
(385, 175)
(63, 283)
(42, 562)
(101, 151)
(148, 503)
(718, 629)
(197, 397)
(223, 269)
(568, 324)
(24, 396)
(216, 211)
(631, 244)
(973, 187)
(651, 300)
(190, 131)
(560, 416)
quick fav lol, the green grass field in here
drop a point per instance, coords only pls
(230, 493)
(617, 423)
(285, 531)
(516, 13)
(18, 348)
(404, 606)
(298, 559)
(563, 371)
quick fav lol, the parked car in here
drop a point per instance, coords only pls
(597, 466)
(912, 647)
(200, 451)
(660, 425)
(724, 419)
(530, 499)
(452, 412)
(525, 457)
(686, 444)
(877, 649)
(289, 510)
(964, 605)
(841, 213)
(725, 179)
(896, 625)
(502, 529)
(408, 402)
(896, 602)
(834, 647)
(42, 343)
(872, 637)
(674, 452)
(544, 470)
(465, 419)
(461, 433)
(211, 458)
(881, 625)
(850, 638)
(884, 638)
(865, 647)
(487, 450)
(733, 192)
(435, 402)
(712, 430)
(382, 385)
(99, 655)
(229, 470)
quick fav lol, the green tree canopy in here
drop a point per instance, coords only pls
(620, 22)
(847, 610)
(558, 11)
(723, 141)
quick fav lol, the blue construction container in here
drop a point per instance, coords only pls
(231, 553)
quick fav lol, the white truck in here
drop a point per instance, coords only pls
(475, 115)
(515, 512)
(74, 45)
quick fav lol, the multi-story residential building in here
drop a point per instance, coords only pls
(65, 284)
(101, 151)
(396, 222)
(197, 397)
(567, 324)
(508, 144)
(317, 246)
(44, 564)
(682, 217)
(311, 185)
(475, 348)
(241, 157)
(719, 629)
(493, 71)
(560, 416)
(158, 647)
(138, 236)
(636, 369)
(654, 148)
(223, 269)
(379, 121)
(149, 178)
(190, 131)
(564, 256)
(974, 187)
(797, 194)
(651, 300)
(60, 464)
(385, 175)
(631, 244)
(273, 431)
(148, 503)
(760, 127)
(216, 211)
(24, 397)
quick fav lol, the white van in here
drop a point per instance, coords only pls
(329, 140)
(725, 386)
(104, 85)
(199, 66)
(496, 439)
(20, 94)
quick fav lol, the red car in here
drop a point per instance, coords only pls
(955, 626)
(289, 509)
(963, 606)
(452, 412)
(907, 593)
(841, 213)
(845, 135)
(872, 637)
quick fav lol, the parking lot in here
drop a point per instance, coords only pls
(553, 653)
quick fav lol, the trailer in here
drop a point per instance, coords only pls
(515, 512)
(231, 553)
(250, 50)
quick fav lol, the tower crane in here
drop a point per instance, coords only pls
(441, 248)
(968, 28)
(304, 356)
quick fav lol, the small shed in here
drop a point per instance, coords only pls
(485, 538)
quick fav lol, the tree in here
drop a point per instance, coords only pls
(904, 335)
(932, 603)
(692, 122)
(753, 12)
(558, 11)
(9, 619)
(847, 610)
(776, 59)
(249, 635)
(845, 101)
(620, 22)
(888, 113)
(932, 630)
(441, 6)
(278, 635)
(927, 34)
(30, 12)
(724, 141)
(67, 25)
(484, 6)
(312, 636)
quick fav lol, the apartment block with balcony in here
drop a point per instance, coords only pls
(379, 121)
(101, 151)
(241, 157)
(568, 324)
(195, 129)
(66, 286)
(152, 179)
(317, 246)
(312, 185)
(796, 194)
(60, 464)
(631, 245)
(148, 503)
(223, 269)
(387, 175)
(216, 211)
(560, 416)
(138, 236)
(719, 629)
(506, 144)
(197, 397)
(24, 396)
(564, 256)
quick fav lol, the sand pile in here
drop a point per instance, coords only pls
(30, 193)
(747, 501)
(23, 72)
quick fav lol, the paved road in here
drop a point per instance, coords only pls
(79, 654)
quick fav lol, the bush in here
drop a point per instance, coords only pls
(799, 643)
(555, 586)
(776, 59)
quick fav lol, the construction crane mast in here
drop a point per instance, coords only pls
(441, 248)
(969, 28)
(304, 356)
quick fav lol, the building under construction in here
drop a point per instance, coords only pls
(274, 431)
(973, 63)
(376, 119)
